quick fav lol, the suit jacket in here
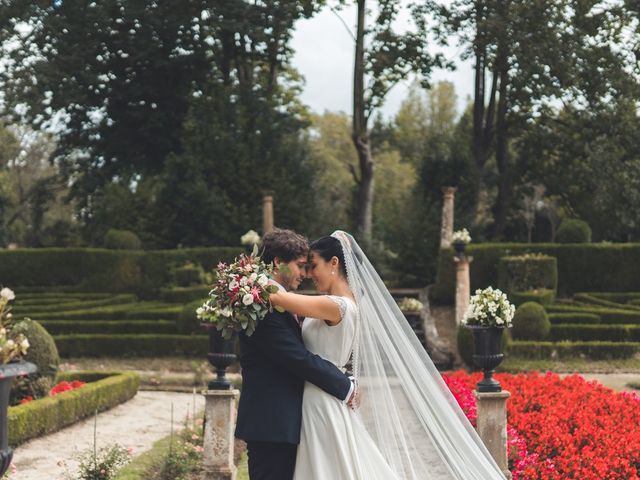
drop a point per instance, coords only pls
(275, 364)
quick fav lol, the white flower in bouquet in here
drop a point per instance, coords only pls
(250, 238)
(239, 298)
(461, 236)
(11, 347)
(489, 308)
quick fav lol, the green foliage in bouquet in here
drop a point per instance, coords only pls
(239, 298)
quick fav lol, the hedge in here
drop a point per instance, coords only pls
(527, 272)
(566, 318)
(49, 414)
(620, 297)
(58, 327)
(139, 311)
(184, 294)
(74, 304)
(607, 315)
(595, 300)
(542, 296)
(581, 267)
(561, 350)
(133, 345)
(612, 333)
(102, 270)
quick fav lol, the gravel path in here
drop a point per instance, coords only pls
(137, 423)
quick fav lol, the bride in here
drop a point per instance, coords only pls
(408, 426)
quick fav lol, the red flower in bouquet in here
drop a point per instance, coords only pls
(239, 298)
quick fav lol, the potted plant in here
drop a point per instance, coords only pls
(489, 313)
(460, 239)
(11, 349)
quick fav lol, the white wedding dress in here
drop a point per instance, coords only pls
(408, 426)
(334, 445)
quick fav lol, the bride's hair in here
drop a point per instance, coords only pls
(327, 248)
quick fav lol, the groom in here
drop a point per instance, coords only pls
(275, 365)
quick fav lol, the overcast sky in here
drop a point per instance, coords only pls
(324, 55)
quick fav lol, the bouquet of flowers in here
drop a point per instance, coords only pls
(461, 236)
(489, 308)
(10, 348)
(239, 298)
(410, 305)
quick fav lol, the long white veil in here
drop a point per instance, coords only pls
(406, 406)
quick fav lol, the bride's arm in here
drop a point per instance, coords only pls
(315, 306)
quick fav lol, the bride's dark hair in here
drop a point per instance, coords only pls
(329, 247)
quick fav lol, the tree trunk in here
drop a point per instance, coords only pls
(502, 156)
(361, 138)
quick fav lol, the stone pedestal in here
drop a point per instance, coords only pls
(220, 420)
(267, 214)
(446, 229)
(463, 285)
(492, 425)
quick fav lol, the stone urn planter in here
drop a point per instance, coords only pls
(487, 355)
(221, 355)
(460, 248)
(8, 372)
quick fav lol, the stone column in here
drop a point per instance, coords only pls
(220, 420)
(267, 213)
(446, 230)
(463, 285)
(492, 425)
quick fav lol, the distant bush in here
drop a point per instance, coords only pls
(573, 230)
(531, 322)
(122, 240)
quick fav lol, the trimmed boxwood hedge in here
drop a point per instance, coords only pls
(542, 296)
(133, 345)
(139, 311)
(589, 299)
(47, 415)
(124, 298)
(581, 267)
(59, 327)
(522, 273)
(607, 315)
(566, 318)
(184, 294)
(561, 350)
(102, 270)
(613, 333)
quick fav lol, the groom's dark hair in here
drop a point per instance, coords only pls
(287, 245)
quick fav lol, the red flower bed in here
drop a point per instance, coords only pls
(59, 388)
(563, 428)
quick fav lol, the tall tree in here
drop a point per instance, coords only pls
(530, 56)
(383, 57)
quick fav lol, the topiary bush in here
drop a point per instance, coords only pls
(43, 353)
(188, 275)
(122, 240)
(531, 322)
(573, 230)
(528, 272)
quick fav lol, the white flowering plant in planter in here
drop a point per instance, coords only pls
(461, 236)
(10, 348)
(250, 238)
(410, 305)
(489, 308)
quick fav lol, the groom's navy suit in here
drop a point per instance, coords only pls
(275, 365)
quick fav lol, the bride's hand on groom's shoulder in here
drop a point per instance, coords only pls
(354, 401)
